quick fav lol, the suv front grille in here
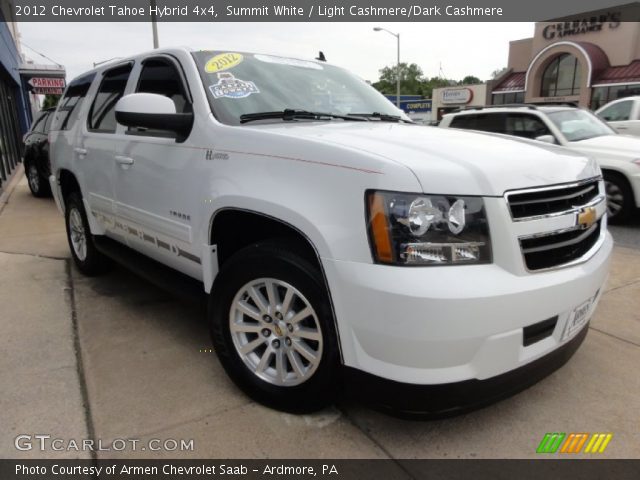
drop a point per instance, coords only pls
(558, 248)
(550, 201)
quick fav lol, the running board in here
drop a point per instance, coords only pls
(176, 283)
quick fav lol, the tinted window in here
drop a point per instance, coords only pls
(561, 77)
(527, 126)
(161, 77)
(491, 122)
(69, 106)
(466, 122)
(102, 117)
(617, 112)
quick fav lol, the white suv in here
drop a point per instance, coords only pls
(574, 129)
(340, 244)
(623, 115)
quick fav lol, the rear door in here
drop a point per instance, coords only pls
(155, 193)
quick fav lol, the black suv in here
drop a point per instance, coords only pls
(36, 154)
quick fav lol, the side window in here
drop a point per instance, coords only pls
(161, 77)
(491, 122)
(69, 106)
(47, 123)
(527, 126)
(617, 112)
(466, 122)
(102, 117)
(37, 125)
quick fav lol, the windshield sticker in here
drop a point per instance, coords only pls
(288, 61)
(223, 61)
(229, 86)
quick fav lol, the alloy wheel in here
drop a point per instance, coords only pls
(276, 332)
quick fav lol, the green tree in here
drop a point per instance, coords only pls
(411, 79)
(470, 80)
(497, 72)
(50, 100)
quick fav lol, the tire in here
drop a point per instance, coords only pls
(620, 201)
(299, 385)
(38, 185)
(85, 255)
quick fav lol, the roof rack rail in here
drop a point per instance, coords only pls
(531, 106)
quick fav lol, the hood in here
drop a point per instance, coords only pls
(612, 146)
(449, 161)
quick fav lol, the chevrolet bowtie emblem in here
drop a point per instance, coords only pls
(586, 217)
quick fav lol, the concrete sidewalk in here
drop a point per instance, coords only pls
(148, 373)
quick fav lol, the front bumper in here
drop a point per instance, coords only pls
(441, 325)
(438, 401)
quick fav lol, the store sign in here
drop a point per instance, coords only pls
(412, 106)
(43, 86)
(457, 95)
(580, 27)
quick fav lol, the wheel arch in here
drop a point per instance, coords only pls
(228, 240)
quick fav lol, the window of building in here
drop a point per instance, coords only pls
(561, 77)
(603, 95)
(617, 112)
(507, 97)
(102, 117)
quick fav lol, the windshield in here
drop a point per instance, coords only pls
(578, 125)
(244, 83)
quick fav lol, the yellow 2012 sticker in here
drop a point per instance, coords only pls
(223, 61)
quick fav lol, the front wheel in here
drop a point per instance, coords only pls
(272, 329)
(620, 201)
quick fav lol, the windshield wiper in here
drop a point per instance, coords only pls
(383, 117)
(292, 114)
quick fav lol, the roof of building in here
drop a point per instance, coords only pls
(622, 74)
(514, 82)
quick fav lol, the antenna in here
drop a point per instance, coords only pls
(321, 57)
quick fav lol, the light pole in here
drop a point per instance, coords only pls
(154, 24)
(397, 35)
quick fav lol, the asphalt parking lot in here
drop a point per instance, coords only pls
(114, 357)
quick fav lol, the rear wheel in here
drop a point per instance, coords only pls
(38, 185)
(272, 328)
(85, 255)
(620, 202)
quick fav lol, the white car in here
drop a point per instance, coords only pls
(574, 129)
(339, 243)
(622, 114)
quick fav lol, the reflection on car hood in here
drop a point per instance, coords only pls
(609, 145)
(447, 160)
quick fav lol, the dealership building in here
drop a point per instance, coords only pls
(590, 59)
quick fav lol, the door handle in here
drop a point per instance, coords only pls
(124, 160)
(80, 151)
(622, 128)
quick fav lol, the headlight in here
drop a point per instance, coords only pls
(409, 229)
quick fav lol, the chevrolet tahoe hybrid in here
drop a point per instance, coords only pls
(341, 246)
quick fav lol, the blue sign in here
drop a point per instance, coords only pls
(416, 106)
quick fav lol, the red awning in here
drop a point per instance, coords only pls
(624, 74)
(513, 83)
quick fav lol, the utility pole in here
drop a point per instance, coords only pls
(154, 24)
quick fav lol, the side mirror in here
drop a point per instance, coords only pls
(155, 112)
(546, 139)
